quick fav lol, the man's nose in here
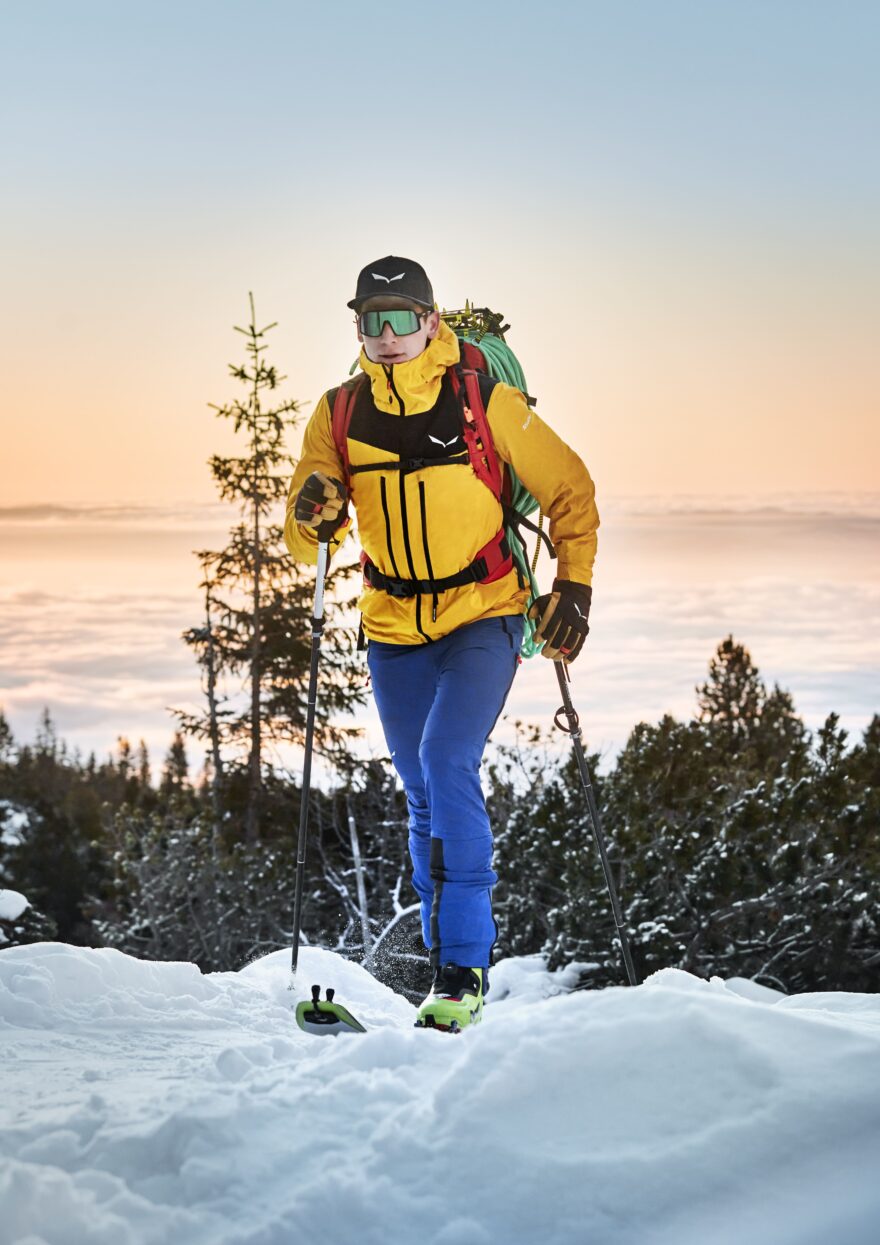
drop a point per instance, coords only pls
(387, 332)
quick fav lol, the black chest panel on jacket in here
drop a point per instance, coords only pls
(433, 434)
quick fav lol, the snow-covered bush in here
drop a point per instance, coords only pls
(20, 922)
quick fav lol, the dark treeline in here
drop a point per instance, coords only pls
(742, 844)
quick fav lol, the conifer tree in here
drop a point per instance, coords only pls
(749, 727)
(175, 772)
(7, 742)
(740, 846)
(258, 600)
(144, 775)
(733, 694)
(208, 725)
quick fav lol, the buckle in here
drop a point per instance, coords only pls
(394, 587)
(399, 588)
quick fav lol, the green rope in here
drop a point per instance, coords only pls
(502, 364)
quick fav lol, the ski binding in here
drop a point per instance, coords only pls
(323, 1017)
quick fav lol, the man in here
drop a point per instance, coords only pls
(442, 604)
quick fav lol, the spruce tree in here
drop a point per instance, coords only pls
(258, 602)
(740, 846)
(733, 694)
(175, 772)
(7, 742)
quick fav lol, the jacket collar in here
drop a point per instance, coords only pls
(418, 380)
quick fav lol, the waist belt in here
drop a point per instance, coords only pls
(492, 562)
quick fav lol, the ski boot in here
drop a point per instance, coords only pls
(456, 999)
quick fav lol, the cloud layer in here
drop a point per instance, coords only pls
(91, 613)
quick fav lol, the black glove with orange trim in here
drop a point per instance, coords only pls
(562, 616)
(322, 505)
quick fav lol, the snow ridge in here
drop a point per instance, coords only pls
(145, 1103)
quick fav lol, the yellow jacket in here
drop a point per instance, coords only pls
(442, 513)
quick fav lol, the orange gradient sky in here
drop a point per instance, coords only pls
(679, 218)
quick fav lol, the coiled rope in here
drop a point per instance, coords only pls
(502, 364)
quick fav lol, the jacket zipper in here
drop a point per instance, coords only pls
(389, 372)
(384, 493)
(403, 514)
(424, 511)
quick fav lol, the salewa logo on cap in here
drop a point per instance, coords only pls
(379, 277)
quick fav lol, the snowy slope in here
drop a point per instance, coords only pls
(146, 1103)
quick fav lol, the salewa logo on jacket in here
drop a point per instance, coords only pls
(445, 444)
(379, 277)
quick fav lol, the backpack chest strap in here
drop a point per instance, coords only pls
(492, 562)
(407, 465)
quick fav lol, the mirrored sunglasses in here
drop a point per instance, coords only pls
(402, 323)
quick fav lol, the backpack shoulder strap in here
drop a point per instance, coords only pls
(471, 356)
(342, 402)
(473, 390)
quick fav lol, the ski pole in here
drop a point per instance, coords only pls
(574, 730)
(317, 631)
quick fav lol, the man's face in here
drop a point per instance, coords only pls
(389, 349)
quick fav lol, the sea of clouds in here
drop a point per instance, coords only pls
(93, 601)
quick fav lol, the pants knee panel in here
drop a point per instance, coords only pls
(437, 755)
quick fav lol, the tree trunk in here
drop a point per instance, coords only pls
(256, 769)
(366, 936)
(213, 722)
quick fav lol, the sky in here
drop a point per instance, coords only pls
(676, 207)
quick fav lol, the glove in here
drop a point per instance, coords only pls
(321, 504)
(562, 619)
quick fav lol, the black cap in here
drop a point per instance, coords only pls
(403, 278)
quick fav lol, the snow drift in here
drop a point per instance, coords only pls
(144, 1103)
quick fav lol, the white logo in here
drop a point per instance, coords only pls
(379, 277)
(580, 615)
(528, 421)
(445, 444)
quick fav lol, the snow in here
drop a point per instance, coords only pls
(14, 821)
(12, 905)
(144, 1103)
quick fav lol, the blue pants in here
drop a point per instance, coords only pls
(438, 703)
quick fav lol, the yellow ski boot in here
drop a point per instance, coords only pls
(456, 999)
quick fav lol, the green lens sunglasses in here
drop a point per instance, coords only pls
(403, 322)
